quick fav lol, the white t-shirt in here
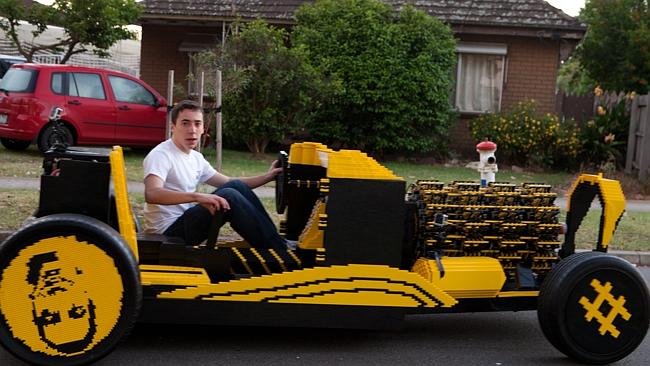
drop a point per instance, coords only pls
(180, 172)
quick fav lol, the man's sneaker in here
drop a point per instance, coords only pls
(291, 244)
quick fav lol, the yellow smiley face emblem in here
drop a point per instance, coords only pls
(61, 296)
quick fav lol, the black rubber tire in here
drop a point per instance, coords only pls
(564, 318)
(66, 237)
(47, 138)
(15, 145)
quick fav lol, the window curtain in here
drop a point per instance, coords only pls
(479, 82)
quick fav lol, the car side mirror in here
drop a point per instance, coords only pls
(159, 102)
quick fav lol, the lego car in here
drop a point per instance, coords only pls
(370, 252)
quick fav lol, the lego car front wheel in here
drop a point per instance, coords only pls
(594, 307)
(69, 290)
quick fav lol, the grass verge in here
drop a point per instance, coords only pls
(632, 233)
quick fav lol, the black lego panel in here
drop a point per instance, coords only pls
(580, 199)
(365, 222)
(81, 187)
(242, 313)
(301, 200)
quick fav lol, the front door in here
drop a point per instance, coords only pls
(89, 107)
(140, 120)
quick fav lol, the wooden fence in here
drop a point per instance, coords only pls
(638, 143)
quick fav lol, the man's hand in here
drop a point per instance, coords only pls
(275, 169)
(262, 179)
(212, 202)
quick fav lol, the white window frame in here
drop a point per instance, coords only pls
(193, 84)
(483, 49)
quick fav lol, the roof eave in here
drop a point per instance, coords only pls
(563, 32)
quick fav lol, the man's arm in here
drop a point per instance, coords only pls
(155, 193)
(259, 180)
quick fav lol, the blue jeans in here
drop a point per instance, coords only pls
(247, 217)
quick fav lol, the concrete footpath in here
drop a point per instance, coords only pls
(638, 258)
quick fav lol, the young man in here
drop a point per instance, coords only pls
(172, 172)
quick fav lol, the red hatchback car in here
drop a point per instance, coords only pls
(100, 107)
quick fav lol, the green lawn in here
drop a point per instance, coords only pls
(27, 164)
(17, 205)
(632, 233)
(238, 163)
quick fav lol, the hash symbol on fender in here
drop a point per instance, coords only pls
(617, 308)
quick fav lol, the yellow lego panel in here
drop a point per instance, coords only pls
(124, 215)
(308, 153)
(340, 164)
(612, 201)
(172, 275)
(465, 277)
(355, 284)
(312, 236)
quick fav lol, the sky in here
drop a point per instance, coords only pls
(571, 7)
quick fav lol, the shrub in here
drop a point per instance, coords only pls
(269, 88)
(394, 69)
(604, 138)
(525, 138)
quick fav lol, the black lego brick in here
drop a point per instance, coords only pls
(301, 200)
(365, 222)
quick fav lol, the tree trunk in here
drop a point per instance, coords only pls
(257, 145)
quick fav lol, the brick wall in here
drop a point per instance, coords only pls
(532, 66)
(159, 54)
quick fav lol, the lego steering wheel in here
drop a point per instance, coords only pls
(281, 183)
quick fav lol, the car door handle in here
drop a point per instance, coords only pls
(74, 102)
(124, 108)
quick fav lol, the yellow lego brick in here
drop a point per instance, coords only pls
(172, 275)
(354, 285)
(357, 165)
(125, 219)
(312, 235)
(612, 201)
(465, 277)
(308, 153)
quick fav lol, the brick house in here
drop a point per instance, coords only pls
(508, 50)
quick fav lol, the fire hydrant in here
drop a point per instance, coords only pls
(487, 164)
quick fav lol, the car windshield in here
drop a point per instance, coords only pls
(19, 80)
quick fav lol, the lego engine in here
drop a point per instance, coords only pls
(516, 224)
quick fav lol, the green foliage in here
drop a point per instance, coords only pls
(524, 138)
(89, 25)
(394, 70)
(616, 48)
(572, 79)
(604, 138)
(269, 87)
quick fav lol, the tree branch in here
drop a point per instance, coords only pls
(14, 38)
(71, 51)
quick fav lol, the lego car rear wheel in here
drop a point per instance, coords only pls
(594, 307)
(69, 290)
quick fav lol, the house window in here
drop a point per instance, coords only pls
(480, 77)
(193, 44)
(194, 75)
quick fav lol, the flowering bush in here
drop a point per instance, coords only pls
(604, 138)
(525, 138)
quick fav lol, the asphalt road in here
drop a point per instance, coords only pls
(452, 339)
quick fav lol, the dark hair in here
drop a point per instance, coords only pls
(183, 105)
(36, 263)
